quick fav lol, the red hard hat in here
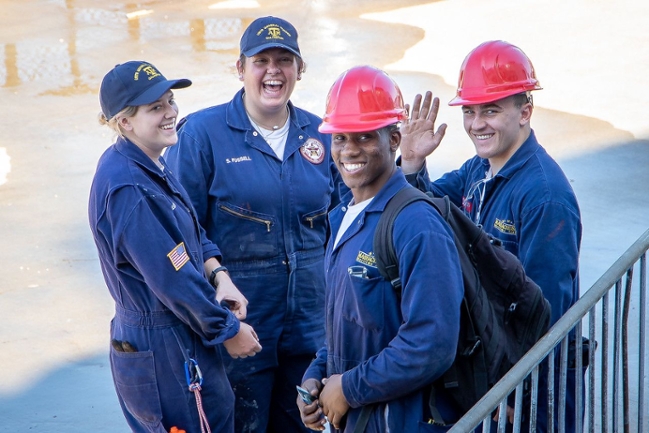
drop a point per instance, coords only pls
(361, 99)
(494, 70)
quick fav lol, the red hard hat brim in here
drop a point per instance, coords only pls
(485, 98)
(361, 123)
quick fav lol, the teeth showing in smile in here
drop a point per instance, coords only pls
(166, 127)
(484, 136)
(352, 167)
(274, 84)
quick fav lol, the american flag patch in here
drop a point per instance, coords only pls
(178, 256)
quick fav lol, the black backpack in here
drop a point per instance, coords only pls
(504, 313)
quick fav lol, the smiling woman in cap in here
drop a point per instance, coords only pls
(262, 180)
(155, 258)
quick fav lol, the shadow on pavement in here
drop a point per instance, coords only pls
(78, 397)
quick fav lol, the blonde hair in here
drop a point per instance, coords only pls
(113, 123)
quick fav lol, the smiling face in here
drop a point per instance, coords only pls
(498, 128)
(269, 78)
(365, 160)
(153, 127)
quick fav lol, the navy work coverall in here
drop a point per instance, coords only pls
(530, 206)
(388, 349)
(151, 251)
(269, 218)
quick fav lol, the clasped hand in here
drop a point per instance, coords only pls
(330, 404)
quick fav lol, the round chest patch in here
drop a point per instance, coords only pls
(313, 151)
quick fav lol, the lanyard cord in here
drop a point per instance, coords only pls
(482, 193)
(482, 186)
(196, 388)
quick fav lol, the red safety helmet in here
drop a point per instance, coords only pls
(362, 98)
(494, 70)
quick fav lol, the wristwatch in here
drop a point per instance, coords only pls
(214, 272)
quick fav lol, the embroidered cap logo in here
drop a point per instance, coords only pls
(274, 32)
(149, 70)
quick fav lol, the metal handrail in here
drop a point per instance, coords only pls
(496, 395)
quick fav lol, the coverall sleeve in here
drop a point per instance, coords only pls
(426, 341)
(318, 368)
(549, 241)
(210, 249)
(450, 184)
(144, 239)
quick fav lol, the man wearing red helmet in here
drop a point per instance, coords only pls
(512, 187)
(381, 349)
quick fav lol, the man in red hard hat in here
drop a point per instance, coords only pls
(378, 355)
(512, 187)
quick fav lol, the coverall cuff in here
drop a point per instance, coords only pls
(346, 379)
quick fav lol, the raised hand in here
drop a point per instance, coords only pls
(418, 136)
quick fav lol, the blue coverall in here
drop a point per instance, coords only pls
(388, 349)
(269, 218)
(151, 251)
(530, 206)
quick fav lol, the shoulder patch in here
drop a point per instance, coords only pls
(313, 151)
(178, 256)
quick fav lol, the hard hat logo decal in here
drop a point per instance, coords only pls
(313, 151)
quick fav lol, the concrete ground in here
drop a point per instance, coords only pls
(591, 57)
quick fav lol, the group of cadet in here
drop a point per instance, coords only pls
(236, 242)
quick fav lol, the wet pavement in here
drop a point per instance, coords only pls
(590, 56)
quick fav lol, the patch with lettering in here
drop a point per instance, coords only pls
(505, 226)
(238, 159)
(366, 259)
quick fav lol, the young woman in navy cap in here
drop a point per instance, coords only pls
(262, 180)
(155, 259)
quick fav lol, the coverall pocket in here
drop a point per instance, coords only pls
(246, 235)
(136, 384)
(314, 228)
(363, 302)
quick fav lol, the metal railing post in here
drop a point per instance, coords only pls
(543, 351)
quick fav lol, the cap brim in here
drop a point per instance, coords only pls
(253, 51)
(154, 92)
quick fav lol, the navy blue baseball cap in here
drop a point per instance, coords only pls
(134, 83)
(269, 32)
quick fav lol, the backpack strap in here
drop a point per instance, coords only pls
(363, 418)
(384, 253)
